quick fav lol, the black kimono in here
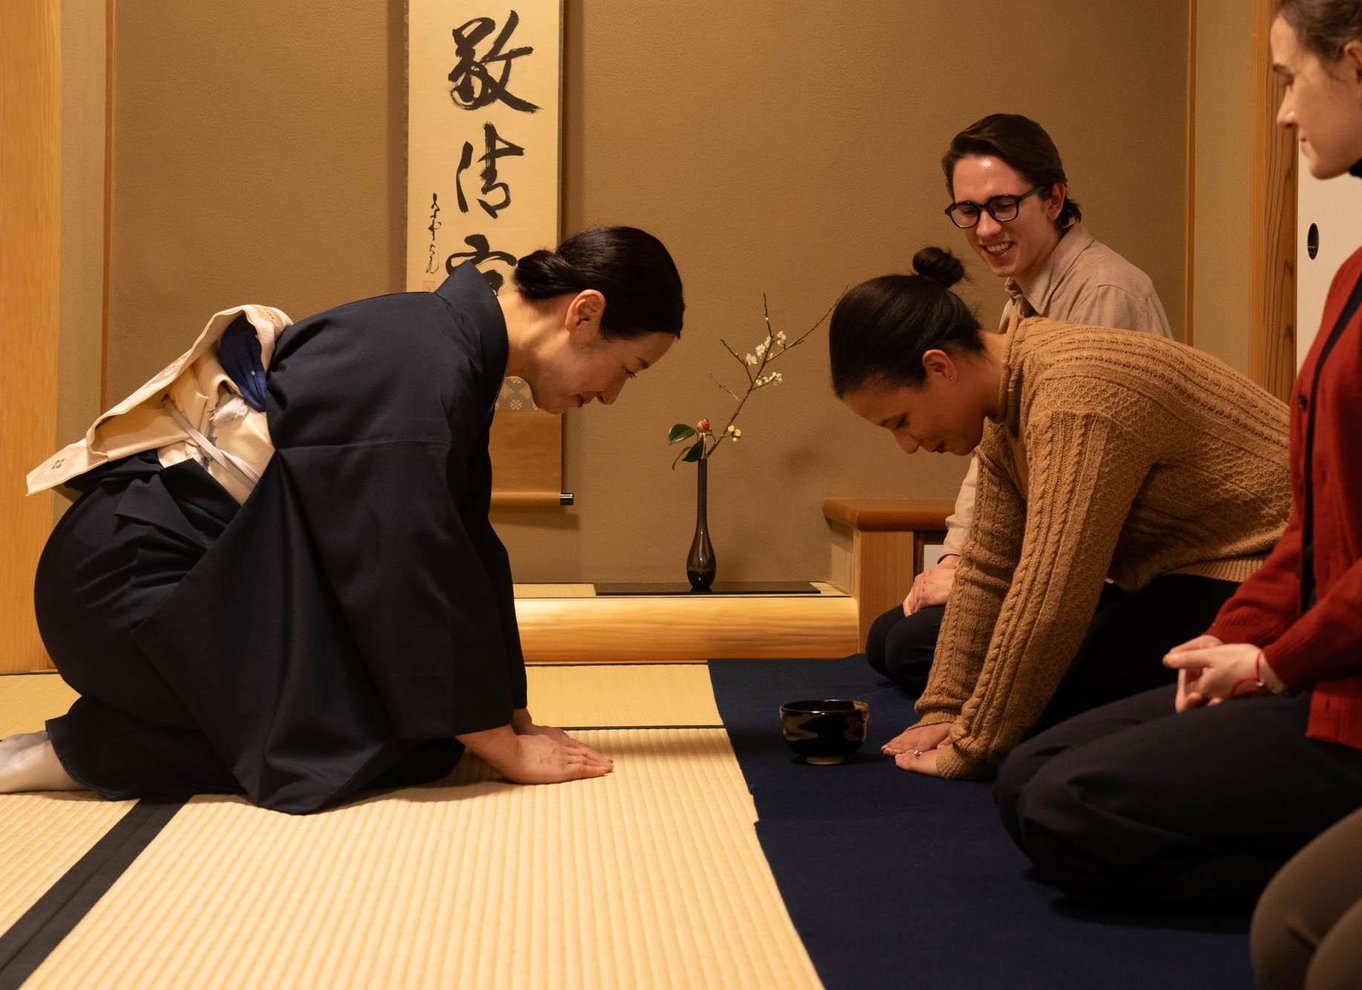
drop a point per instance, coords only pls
(342, 625)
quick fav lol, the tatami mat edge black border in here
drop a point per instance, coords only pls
(31, 939)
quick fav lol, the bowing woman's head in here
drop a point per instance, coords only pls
(1317, 51)
(908, 355)
(589, 316)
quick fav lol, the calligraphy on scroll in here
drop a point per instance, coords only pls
(483, 135)
(483, 164)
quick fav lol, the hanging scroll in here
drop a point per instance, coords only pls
(483, 152)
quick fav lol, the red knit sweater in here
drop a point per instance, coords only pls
(1321, 649)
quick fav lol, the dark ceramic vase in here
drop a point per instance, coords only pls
(700, 565)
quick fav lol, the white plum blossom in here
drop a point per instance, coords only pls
(700, 440)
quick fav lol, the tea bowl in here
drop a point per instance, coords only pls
(825, 730)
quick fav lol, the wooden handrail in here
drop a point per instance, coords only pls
(888, 514)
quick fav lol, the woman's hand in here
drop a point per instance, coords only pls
(1188, 697)
(921, 761)
(918, 739)
(545, 759)
(524, 725)
(1209, 671)
(545, 756)
(933, 586)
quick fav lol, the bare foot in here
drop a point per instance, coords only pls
(29, 763)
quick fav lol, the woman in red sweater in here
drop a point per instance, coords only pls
(1191, 798)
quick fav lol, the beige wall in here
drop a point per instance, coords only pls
(80, 365)
(794, 154)
(1224, 151)
(783, 148)
(258, 157)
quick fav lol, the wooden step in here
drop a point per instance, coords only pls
(570, 623)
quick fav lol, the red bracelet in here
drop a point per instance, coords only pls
(1256, 680)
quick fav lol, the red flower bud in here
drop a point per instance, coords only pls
(703, 426)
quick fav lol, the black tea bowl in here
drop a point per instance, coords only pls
(826, 730)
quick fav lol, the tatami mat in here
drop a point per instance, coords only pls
(28, 700)
(582, 695)
(580, 590)
(41, 837)
(651, 877)
(654, 694)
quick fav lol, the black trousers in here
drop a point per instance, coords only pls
(110, 563)
(901, 646)
(1134, 806)
(1121, 654)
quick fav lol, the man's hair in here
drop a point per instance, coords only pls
(1021, 143)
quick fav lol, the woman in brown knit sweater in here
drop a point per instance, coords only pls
(1102, 454)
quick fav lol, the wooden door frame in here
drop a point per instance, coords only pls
(1189, 183)
(30, 277)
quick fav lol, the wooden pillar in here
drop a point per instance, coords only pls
(30, 277)
(1189, 181)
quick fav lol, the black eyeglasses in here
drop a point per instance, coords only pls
(965, 214)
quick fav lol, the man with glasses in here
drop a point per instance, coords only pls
(1010, 196)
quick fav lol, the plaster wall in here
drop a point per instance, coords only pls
(1224, 152)
(777, 148)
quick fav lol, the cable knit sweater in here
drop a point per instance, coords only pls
(1114, 455)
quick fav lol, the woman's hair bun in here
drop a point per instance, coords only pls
(938, 265)
(630, 267)
(543, 274)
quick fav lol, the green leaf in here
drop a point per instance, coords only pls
(691, 453)
(680, 432)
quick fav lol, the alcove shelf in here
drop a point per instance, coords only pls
(573, 624)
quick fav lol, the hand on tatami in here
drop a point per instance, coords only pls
(545, 759)
(932, 586)
(524, 725)
(918, 737)
(1210, 670)
(547, 756)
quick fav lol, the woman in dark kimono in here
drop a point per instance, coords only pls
(350, 622)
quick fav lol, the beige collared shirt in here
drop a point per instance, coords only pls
(1082, 282)
(1085, 282)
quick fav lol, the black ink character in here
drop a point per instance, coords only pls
(496, 147)
(480, 254)
(434, 226)
(473, 82)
